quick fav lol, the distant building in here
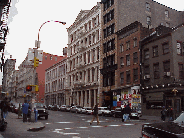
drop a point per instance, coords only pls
(8, 68)
(25, 76)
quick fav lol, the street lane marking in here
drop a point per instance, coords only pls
(96, 126)
(114, 125)
(63, 122)
(70, 133)
(82, 127)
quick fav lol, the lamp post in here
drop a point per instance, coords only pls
(175, 91)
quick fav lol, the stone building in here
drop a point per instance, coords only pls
(116, 15)
(162, 70)
(83, 57)
(56, 91)
(8, 68)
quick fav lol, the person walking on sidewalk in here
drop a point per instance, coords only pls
(95, 115)
(163, 113)
(19, 111)
(122, 112)
(5, 107)
(170, 113)
(25, 107)
(127, 113)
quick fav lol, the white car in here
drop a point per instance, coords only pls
(83, 110)
(89, 111)
(101, 110)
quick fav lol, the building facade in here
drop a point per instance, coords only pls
(162, 70)
(56, 91)
(83, 57)
(116, 15)
(8, 68)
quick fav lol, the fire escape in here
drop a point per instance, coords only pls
(4, 11)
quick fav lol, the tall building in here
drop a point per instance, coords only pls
(116, 15)
(83, 57)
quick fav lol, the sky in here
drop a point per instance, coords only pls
(27, 16)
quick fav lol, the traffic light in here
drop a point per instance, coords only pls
(28, 88)
(36, 88)
(36, 62)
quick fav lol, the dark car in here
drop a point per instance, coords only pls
(73, 109)
(117, 112)
(172, 129)
(49, 107)
(56, 107)
(42, 112)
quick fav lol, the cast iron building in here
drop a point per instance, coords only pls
(83, 57)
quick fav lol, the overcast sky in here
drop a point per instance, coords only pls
(26, 17)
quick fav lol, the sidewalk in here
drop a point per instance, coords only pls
(30, 126)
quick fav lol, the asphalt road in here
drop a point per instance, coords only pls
(72, 125)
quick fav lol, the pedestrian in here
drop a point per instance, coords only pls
(127, 112)
(19, 111)
(122, 112)
(25, 107)
(95, 115)
(5, 107)
(170, 114)
(163, 113)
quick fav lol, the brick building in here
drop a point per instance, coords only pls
(162, 70)
(117, 14)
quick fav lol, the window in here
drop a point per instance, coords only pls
(135, 56)
(178, 46)
(50, 57)
(136, 74)
(166, 13)
(166, 66)
(89, 25)
(165, 47)
(156, 70)
(135, 42)
(128, 76)
(146, 54)
(121, 62)
(108, 4)
(89, 39)
(148, 6)
(155, 51)
(55, 58)
(45, 57)
(181, 73)
(122, 77)
(167, 24)
(146, 70)
(128, 45)
(121, 48)
(110, 45)
(148, 19)
(128, 60)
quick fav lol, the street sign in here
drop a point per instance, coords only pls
(27, 66)
(40, 56)
(30, 55)
(37, 44)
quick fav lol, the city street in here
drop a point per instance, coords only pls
(72, 125)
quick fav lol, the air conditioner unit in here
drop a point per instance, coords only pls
(146, 77)
(122, 64)
(168, 74)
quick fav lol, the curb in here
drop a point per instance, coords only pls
(36, 129)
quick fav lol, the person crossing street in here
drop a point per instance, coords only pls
(95, 115)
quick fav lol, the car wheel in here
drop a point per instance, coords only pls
(46, 117)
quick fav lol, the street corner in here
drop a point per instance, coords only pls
(36, 126)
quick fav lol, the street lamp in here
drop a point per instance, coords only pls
(175, 91)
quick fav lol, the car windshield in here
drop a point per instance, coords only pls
(180, 119)
(38, 105)
(88, 108)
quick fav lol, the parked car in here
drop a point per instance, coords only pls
(56, 107)
(101, 110)
(108, 112)
(117, 112)
(89, 110)
(73, 109)
(42, 112)
(49, 107)
(78, 109)
(68, 108)
(83, 110)
(172, 129)
(63, 108)
(15, 107)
